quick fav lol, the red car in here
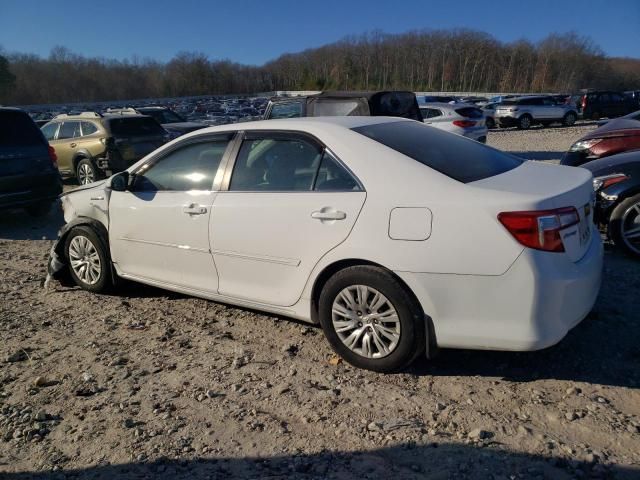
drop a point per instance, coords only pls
(613, 137)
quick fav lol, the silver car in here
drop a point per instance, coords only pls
(523, 112)
(461, 118)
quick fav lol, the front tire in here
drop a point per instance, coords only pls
(371, 320)
(88, 260)
(624, 226)
(524, 122)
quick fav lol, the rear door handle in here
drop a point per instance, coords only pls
(326, 214)
(73, 145)
(194, 209)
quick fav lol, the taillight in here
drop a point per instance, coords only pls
(53, 156)
(584, 101)
(540, 229)
(464, 123)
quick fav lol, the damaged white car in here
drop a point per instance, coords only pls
(396, 237)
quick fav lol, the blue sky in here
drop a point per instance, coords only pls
(253, 32)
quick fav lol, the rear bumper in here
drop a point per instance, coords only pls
(531, 306)
(35, 189)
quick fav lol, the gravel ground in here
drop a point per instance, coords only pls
(145, 383)
(547, 144)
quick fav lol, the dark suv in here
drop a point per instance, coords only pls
(29, 175)
(595, 105)
(171, 121)
(340, 104)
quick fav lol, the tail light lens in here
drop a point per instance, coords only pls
(53, 156)
(605, 181)
(584, 101)
(464, 123)
(540, 229)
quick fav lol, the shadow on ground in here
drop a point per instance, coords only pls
(406, 461)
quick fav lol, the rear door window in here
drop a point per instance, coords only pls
(457, 157)
(274, 162)
(18, 130)
(69, 130)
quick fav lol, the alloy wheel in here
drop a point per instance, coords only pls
(85, 174)
(365, 321)
(84, 260)
(630, 227)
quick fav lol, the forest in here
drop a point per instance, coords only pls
(440, 60)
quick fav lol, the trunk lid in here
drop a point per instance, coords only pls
(538, 186)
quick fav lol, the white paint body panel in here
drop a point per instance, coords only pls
(152, 237)
(481, 288)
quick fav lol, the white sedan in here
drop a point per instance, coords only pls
(394, 236)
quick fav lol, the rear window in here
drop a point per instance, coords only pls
(326, 107)
(470, 112)
(509, 102)
(18, 130)
(455, 156)
(395, 104)
(135, 126)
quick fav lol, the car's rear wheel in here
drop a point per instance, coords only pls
(624, 225)
(87, 172)
(490, 123)
(88, 260)
(524, 122)
(569, 119)
(371, 319)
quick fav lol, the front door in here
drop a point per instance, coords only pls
(287, 204)
(160, 229)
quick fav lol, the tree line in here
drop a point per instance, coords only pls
(442, 60)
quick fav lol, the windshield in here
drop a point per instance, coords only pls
(455, 156)
(18, 130)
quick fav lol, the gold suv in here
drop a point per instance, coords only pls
(90, 146)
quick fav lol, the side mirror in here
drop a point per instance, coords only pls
(120, 182)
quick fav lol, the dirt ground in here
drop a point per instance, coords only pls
(145, 383)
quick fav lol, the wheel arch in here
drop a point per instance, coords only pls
(97, 226)
(80, 155)
(331, 269)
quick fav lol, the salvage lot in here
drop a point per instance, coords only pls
(166, 386)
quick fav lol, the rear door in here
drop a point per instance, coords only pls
(65, 145)
(287, 204)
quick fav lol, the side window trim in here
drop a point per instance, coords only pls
(327, 151)
(229, 137)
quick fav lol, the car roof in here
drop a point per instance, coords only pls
(347, 122)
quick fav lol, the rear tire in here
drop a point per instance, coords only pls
(524, 122)
(490, 123)
(624, 226)
(88, 260)
(87, 172)
(569, 119)
(371, 320)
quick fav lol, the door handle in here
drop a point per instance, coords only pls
(328, 215)
(194, 209)
(73, 145)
